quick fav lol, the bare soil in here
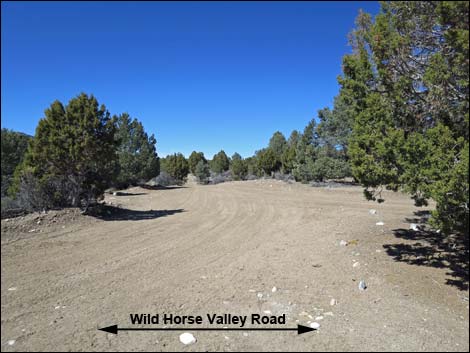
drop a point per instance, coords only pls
(212, 249)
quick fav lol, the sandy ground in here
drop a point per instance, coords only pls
(212, 249)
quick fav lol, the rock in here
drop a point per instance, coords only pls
(343, 243)
(372, 211)
(187, 338)
(379, 223)
(274, 290)
(245, 334)
(414, 226)
(328, 313)
(315, 325)
(11, 342)
(259, 295)
(318, 318)
(12, 288)
(267, 311)
(362, 285)
(333, 302)
(356, 264)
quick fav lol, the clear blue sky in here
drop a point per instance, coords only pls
(199, 75)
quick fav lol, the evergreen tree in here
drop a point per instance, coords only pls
(202, 171)
(406, 86)
(14, 146)
(220, 162)
(176, 166)
(238, 167)
(305, 153)
(73, 153)
(194, 159)
(278, 145)
(137, 156)
(267, 161)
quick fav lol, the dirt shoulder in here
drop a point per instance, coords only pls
(213, 249)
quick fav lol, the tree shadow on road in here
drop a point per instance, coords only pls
(112, 213)
(158, 187)
(434, 250)
(122, 193)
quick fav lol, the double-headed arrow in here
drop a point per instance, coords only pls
(114, 329)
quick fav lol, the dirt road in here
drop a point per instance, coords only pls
(213, 249)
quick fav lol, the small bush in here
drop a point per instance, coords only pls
(164, 179)
(217, 178)
(251, 177)
(284, 177)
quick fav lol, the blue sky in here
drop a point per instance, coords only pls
(201, 76)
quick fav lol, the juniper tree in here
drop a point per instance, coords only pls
(238, 167)
(14, 146)
(406, 84)
(220, 162)
(176, 166)
(137, 156)
(194, 159)
(202, 171)
(73, 153)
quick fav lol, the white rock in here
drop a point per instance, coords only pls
(245, 334)
(318, 318)
(343, 243)
(274, 290)
(259, 295)
(362, 285)
(372, 211)
(267, 311)
(328, 313)
(187, 338)
(379, 223)
(315, 325)
(333, 302)
(414, 226)
(11, 342)
(356, 264)
(12, 288)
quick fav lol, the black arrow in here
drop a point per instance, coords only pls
(114, 329)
